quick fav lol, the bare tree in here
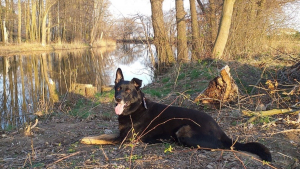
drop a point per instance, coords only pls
(44, 26)
(100, 11)
(213, 20)
(182, 49)
(27, 20)
(34, 30)
(224, 27)
(161, 43)
(195, 32)
(19, 22)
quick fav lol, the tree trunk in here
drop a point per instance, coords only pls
(33, 32)
(224, 27)
(49, 28)
(19, 22)
(5, 33)
(6, 24)
(58, 31)
(195, 32)
(161, 43)
(182, 49)
(44, 29)
(11, 24)
(212, 21)
(41, 14)
(27, 20)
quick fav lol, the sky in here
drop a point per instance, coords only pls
(126, 8)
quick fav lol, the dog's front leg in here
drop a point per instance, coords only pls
(102, 139)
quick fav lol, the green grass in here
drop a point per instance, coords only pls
(81, 108)
(262, 120)
(107, 116)
(105, 96)
(72, 147)
(181, 76)
(168, 85)
(153, 92)
(38, 165)
(188, 75)
(195, 73)
(165, 80)
(10, 127)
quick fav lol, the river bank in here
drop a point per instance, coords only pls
(29, 48)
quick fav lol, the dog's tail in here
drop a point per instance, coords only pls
(255, 148)
(252, 147)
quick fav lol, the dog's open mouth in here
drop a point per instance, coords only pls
(119, 108)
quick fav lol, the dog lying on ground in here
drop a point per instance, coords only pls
(152, 122)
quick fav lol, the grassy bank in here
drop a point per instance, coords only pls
(28, 48)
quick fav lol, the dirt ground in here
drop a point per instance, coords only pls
(55, 141)
(55, 144)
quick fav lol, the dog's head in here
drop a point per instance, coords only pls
(128, 96)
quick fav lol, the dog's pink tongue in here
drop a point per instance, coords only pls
(119, 108)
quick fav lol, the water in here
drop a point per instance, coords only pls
(29, 83)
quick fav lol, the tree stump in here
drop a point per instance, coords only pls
(221, 89)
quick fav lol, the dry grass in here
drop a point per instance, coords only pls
(25, 48)
(29, 48)
(286, 46)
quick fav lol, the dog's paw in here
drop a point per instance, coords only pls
(102, 139)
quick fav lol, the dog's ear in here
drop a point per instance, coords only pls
(137, 83)
(119, 76)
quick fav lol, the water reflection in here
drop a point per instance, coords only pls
(28, 82)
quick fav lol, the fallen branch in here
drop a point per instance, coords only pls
(255, 115)
(73, 154)
(286, 131)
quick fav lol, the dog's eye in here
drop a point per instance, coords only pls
(128, 90)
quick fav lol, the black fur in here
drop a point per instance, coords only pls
(154, 122)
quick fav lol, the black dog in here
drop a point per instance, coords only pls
(153, 122)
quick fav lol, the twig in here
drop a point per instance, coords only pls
(142, 134)
(175, 83)
(239, 160)
(232, 146)
(271, 123)
(285, 155)
(261, 76)
(73, 154)
(125, 138)
(29, 159)
(286, 131)
(258, 95)
(107, 159)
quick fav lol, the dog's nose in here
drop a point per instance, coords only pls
(118, 98)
